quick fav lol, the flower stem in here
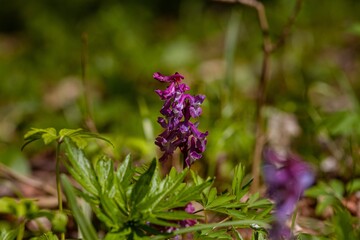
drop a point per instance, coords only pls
(58, 185)
(20, 234)
(293, 220)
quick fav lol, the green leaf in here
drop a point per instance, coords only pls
(170, 183)
(343, 222)
(79, 136)
(355, 28)
(93, 135)
(79, 141)
(253, 198)
(118, 235)
(23, 208)
(260, 203)
(220, 201)
(104, 169)
(208, 234)
(326, 201)
(65, 132)
(157, 221)
(265, 213)
(236, 187)
(338, 188)
(105, 174)
(353, 186)
(142, 187)
(317, 190)
(204, 192)
(46, 236)
(109, 207)
(7, 205)
(34, 133)
(125, 173)
(107, 203)
(173, 200)
(334, 188)
(81, 169)
(48, 135)
(176, 215)
(237, 214)
(10, 234)
(193, 193)
(102, 216)
(259, 235)
(199, 227)
(211, 195)
(85, 226)
(343, 123)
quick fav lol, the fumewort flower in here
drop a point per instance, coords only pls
(178, 110)
(189, 208)
(287, 176)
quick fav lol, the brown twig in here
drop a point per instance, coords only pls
(287, 28)
(11, 174)
(268, 49)
(222, 221)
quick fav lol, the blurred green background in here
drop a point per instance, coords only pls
(217, 47)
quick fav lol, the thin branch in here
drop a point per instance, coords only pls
(11, 174)
(260, 98)
(222, 221)
(288, 26)
(259, 7)
(268, 48)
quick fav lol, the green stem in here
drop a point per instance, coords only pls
(205, 217)
(293, 220)
(20, 234)
(58, 184)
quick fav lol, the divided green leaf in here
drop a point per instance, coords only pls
(80, 168)
(48, 135)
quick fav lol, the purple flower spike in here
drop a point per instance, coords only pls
(167, 93)
(286, 177)
(178, 109)
(173, 78)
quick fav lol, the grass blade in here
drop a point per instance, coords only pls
(86, 228)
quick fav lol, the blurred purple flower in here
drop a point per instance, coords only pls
(287, 177)
(179, 107)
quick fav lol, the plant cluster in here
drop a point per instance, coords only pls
(123, 199)
(139, 202)
(178, 109)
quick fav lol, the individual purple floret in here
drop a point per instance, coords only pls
(188, 222)
(286, 177)
(179, 107)
(189, 208)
